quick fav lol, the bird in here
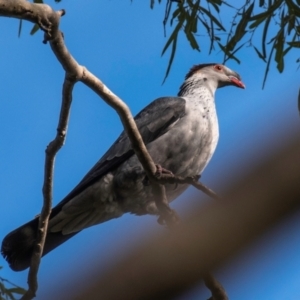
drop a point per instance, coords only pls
(180, 134)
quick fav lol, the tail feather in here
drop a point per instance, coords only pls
(17, 246)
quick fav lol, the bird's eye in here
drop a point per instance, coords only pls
(218, 67)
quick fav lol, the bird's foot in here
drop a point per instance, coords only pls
(160, 171)
(170, 220)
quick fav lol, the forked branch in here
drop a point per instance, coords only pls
(48, 21)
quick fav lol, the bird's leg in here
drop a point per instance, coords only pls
(167, 216)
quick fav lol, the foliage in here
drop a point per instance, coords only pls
(193, 17)
(8, 293)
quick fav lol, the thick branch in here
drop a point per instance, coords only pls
(51, 152)
(48, 20)
(217, 290)
(40, 14)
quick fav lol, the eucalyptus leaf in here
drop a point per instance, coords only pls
(171, 58)
(294, 44)
(230, 55)
(213, 18)
(20, 27)
(34, 29)
(264, 36)
(17, 290)
(268, 65)
(260, 55)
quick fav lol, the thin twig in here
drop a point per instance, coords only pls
(51, 152)
(192, 180)
(48, 20)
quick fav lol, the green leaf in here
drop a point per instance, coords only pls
(279, 51)
(192, 40)
(230, 55)
(240, 29)
(269, 11)
(280, 65)
(291, 24)
(171, 58)
(293, 8)
(34, 29)
(37, 1)
(205, 25)
(212, 35)
(174, 35)
(268, 65)
(257, 22)
(213, 18)
(259, 54)
(217, 2)
(263, 15)
(20, 27)
(194, 27)
(287, 50)
(195, 9)
(152, 2)
(227, 4)
(215, 5)
(175, 14)
(294, 44)
(17, 290)
(2, 287)
(10, 295)
(191, 18)
(264, 36)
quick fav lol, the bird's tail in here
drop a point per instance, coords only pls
(18, 245)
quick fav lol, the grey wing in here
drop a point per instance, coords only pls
(152, 122)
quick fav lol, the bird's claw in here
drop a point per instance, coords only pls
(160, 170)
(170, 220)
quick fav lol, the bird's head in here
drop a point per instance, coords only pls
(213, 75)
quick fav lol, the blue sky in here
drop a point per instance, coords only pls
(121, 42)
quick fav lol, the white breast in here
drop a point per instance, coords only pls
(191, 142)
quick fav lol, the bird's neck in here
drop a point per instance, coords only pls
(194, 87)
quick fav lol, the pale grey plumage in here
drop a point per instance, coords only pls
(181, 134)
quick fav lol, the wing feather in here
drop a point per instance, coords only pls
(152, 122)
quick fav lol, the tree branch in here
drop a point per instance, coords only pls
(217, 290)
(51, 152)
(82, 74)
(166, 266)
(48, 21)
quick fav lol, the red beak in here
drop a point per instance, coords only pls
(237, 82)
